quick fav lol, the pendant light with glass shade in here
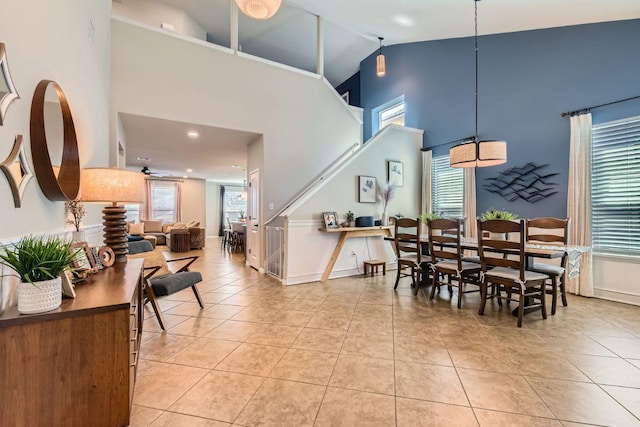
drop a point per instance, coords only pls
(476, 153)
(381, 68)
(259, 9)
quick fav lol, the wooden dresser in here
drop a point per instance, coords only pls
(76, 365)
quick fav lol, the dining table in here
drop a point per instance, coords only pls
(531, 251)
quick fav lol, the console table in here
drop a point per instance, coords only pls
(75, 365)
(348, 233)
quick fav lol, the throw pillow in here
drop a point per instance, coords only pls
(179, 225)
(131, 238)
(154, 258)
(136, 229)
(192, 224)
(166, 228)
(152, 226)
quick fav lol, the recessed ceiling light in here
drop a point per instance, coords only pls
(143, 159)
(193, 134)
(189, 170)
(404, 20)
(235, 166)
(185, 176)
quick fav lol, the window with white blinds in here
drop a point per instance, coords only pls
(615, 186)
(447, 188)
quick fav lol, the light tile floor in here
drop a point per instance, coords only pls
(355, 352)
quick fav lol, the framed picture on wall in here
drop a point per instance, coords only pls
(366, 189)
(395, 173)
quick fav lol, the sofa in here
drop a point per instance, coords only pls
(162, 232)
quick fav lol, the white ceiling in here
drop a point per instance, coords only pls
(171, 151)
(351, 31)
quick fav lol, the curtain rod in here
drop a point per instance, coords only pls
(468, 138)
(584, 110)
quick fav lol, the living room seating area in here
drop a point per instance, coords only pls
(159, 233)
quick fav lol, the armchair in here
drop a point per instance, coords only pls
(160, 281)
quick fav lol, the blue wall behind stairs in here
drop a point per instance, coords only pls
(526, 79)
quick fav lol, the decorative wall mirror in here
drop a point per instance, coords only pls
(8, 91)
(16, 169)
(53, 134)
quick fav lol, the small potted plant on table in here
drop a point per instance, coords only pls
(351, 219)
(38, 262)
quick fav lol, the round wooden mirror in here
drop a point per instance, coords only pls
(66, 184)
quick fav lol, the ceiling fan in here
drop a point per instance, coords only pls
(145, 170)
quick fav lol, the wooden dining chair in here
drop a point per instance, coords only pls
(540, 230)
(408, 249)
(446, 258)
(509, 274)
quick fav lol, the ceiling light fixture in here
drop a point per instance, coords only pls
(145, 170)
(193, 134)
(381, 68)
(259, 9)
(189, 170)
(143, 159)
(475, 153)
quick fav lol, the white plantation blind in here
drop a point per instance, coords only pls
(447, 188)
(615, 186)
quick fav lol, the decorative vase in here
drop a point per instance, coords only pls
(77, 236)
(40, 296)
(385, 218)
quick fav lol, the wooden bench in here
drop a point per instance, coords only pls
(374, 264)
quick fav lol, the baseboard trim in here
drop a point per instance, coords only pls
(617, 296)
(335, 274)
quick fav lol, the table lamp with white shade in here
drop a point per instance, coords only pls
(104, 185)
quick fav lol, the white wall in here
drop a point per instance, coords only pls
(616, 278)
(305, 124)
(155, 14)
(194, 201)
(67, 41)
(308, 250)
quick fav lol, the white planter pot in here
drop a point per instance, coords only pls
(78, 236)
(40, 296)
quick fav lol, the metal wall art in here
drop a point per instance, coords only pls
(16, 169)
(8, 92)
(523, 183)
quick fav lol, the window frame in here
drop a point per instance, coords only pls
(440, 164)
(615, 153)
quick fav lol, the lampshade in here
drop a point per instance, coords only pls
(381, 67)
(259, 9)
(111, 185)
(480, 154)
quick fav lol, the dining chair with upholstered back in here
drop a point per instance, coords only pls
(550, 231)
(408, 250)
(446, 258)
(508, 273)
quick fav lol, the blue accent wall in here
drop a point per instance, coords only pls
(526, 79)
(352, 84)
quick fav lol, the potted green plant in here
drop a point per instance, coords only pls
(497, 214)
(351, 219)
(38, 261)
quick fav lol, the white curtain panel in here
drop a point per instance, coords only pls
(427, 158)
(469, 200)
(579, 200)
